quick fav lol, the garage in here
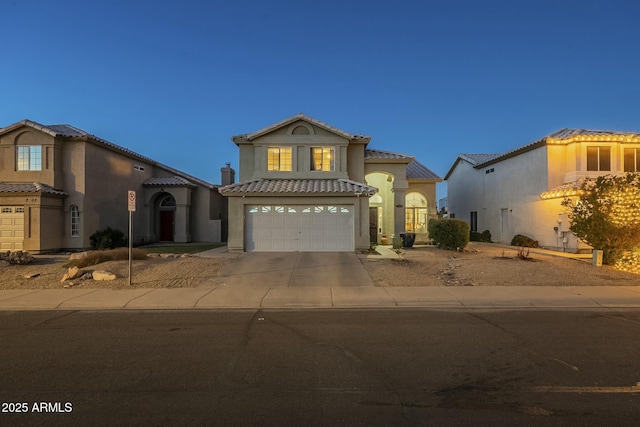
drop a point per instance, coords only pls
(11, 228)
(303, 228)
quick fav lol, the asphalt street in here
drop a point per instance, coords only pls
(321, 367)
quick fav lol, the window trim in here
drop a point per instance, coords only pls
(74, 211)
(282, 155)
(33, 160)
(636, 159)
(599, 158)
(332, 159)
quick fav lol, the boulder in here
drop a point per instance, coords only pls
(103, 275)
(72, 273)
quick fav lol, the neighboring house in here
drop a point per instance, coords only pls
(59, 185)
(307, 186)
(520, 191)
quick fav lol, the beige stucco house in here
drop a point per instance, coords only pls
(59, 185)
(520, 191)
(307, 186)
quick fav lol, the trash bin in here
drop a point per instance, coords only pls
(408, 239)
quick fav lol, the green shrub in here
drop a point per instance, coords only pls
(524, 241)
(449, 233)
(107, 239)
(476, 236)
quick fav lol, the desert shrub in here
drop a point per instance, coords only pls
(449, 233)
(606, 214)
(524, 241)
(107, 239)
(476, 236)
(97, 257)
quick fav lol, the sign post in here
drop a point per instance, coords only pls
(131, 200)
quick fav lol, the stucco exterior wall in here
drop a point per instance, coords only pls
(504, 194)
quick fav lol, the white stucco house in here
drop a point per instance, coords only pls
(520, 191)
(307, 186)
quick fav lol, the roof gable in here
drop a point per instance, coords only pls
(303, 118)
(68, 131)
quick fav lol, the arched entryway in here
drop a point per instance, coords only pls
(167, 213)
(381, 207)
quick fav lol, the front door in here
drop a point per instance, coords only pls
(166, 226)
(373, 225)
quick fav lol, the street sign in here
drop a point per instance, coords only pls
(131, 198)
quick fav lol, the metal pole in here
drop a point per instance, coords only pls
(130, 243)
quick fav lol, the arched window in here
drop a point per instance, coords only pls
(168, 203)
(75, 221)
(415, 213)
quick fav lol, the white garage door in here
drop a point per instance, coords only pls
(304, 228)
(11, 228)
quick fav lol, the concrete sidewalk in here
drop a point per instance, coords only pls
(254, 284)
(228, 297)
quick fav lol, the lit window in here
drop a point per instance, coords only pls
(415, 213)
(598, 158)
(322, 159)
(279, 159)
(29, 158)
(632, 159)
(75, 221)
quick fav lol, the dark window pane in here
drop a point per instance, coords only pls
(592, 158)
(629, 160)
(605, 158)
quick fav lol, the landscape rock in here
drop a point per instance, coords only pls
(103, 275)
(72, 273)
(31, 276)
(167, 255)
(17, 257)
(80, 255)
(153, 255)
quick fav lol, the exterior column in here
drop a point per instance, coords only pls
(181, 224)
(398, 210)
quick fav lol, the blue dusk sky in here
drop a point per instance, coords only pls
(174, 80)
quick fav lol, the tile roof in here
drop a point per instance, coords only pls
(68, 131)
(283, 186)
(571, 132)
(29, 187)
(564, 190)
(300, 116)
(416, 170)
(370, 154)
(561, 136)
(476, 159)
(168, 181)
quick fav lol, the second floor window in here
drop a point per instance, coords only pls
(279, 158)
(632, 159)
(29, 158)
(598, 158)
(322, 159)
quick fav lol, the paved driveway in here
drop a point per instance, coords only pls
(295, 269)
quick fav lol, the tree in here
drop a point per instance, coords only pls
(606, 214)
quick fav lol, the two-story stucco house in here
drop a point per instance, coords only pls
(59, 185)
(307, 186)
(520, 191)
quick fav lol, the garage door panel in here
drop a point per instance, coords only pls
(11, 228)
(299, 228)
